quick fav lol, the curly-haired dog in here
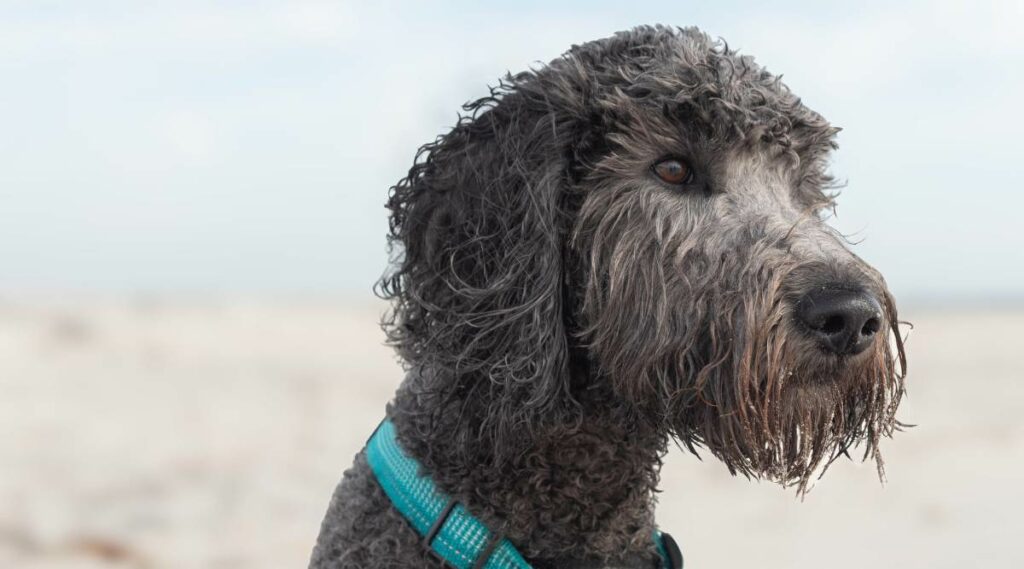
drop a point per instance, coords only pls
(618, 249)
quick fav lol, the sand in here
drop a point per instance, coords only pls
(186, 432)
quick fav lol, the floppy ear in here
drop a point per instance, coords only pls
(478, 228)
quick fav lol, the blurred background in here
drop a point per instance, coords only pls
(191, 220)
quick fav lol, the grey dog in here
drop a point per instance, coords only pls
(619, 249)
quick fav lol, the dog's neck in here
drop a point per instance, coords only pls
(580, 484)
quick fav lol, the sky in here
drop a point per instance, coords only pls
(249, 146)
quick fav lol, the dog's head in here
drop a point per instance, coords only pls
(643, 218)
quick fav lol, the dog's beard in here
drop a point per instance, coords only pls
(771, 405)
(740, 379)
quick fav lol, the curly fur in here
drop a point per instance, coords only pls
(563, 314)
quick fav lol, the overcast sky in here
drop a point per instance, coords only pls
(249, 146)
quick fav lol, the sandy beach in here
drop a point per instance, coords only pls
(195, 432)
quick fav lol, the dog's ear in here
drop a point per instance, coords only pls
(477, 230)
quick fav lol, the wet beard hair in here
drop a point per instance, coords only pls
(780, 409)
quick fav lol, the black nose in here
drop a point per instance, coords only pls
(843, 321)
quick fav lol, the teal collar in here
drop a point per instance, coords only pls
(447, 528)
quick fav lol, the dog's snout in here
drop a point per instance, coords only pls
(843, 321)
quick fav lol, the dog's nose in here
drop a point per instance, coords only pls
(843, 321)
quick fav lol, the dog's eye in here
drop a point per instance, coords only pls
(673, 171)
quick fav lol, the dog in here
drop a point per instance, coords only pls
(623, 248)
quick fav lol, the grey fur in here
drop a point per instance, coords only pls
(563, 313)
